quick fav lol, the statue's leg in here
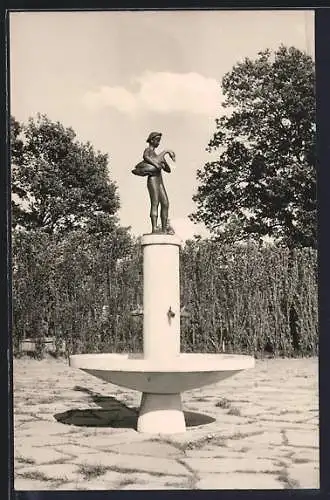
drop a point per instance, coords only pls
(153, 188)
(164, 206)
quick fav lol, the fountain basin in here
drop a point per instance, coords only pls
(161, 381)
(178, 374)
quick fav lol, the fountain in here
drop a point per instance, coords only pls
(161, 373)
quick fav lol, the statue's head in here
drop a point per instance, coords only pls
(154, 138)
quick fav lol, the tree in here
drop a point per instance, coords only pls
(263, 179)
(70, 279)
(16, 146)
(58, 182)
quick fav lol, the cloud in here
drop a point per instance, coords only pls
(116, 97)
(160, 92)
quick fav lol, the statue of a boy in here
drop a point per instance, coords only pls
(152, 166)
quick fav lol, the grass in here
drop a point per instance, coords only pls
(175, 486)
(58, 461)
(284, 437)
(283, 476)
(281, 463)
(224, 404)
(211, 439)
(26, 421)
(241, 435)
(301, 461)
(244, 449)
(92, 471)
(234, 411)
(23, 460)
(253, 471)
(199, 443)
(288, 482)
(289, 454)
(131, 470)
(35, 476)
(125, 482)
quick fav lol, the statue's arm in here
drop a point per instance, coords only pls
(152, 158)
(168, 152)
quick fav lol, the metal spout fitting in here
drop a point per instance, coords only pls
(170, 314)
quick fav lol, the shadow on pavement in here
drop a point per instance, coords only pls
(113, 413)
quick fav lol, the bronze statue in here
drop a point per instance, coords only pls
(152, 166)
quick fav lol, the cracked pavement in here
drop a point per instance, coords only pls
(256, 430)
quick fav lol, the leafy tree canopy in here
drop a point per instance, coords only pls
(58, 182)
(262, 181)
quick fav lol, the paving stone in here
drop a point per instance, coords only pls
(55, 441)
(48, 416)
(273, 453)
(43, 428)
(132, 463)
(142, 486)
(68, 486)
(213, 453)
(284, 417)
(148, 482)
(306, 455)
(268, 438)
(230, 464)
(190, 436)
(251, 410)
(24, 418)
(68, 472)
(98, 484)
(224, 419)
(268, 398)
(239, 481)
(22, 484)
(107, 441)
(307, 475)
(76, 450)
(232, 431)
(107, 481)
(255, 448)
(147, 448)
(300, 438)
(40, 455)
(151, 486)
(267, 424)
(313, 421)
(111, 476)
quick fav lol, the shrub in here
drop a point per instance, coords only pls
(241, 299)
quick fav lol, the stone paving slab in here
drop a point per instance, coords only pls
(304, 475)
(40, 455)
(129, 463)
(229, 464)
(51, 472)
(239, 481)
(257, 430)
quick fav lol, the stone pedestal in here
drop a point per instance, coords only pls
(161, 373)
(161, 414)
(161, 297)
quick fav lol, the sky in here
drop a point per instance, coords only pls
(116, 76)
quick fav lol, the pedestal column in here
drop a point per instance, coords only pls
(161, 414)
(161, 296)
